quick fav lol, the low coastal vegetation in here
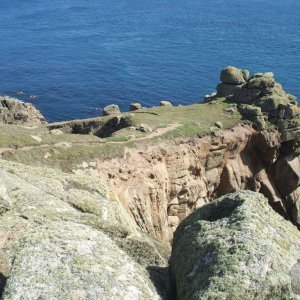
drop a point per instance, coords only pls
(67, 147)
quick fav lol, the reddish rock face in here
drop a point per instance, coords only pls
(13, 111)
(162, 185)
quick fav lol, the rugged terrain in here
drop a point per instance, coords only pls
(235, 248)
(111, 191)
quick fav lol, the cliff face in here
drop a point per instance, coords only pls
(162, 185)
(68, 235)
(13, 111)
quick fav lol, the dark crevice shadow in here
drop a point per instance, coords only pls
(3, 280)
(160, 276)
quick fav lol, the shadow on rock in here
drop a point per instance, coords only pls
(3, 280)
(160, 276)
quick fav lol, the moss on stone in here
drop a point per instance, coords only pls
(235, 248)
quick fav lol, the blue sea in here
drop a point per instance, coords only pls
(70, 58)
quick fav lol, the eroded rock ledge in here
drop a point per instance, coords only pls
(163, 184)
(14, 111)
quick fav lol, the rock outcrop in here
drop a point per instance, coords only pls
(111, 109)
(232, 81)
(262, 91)
(65, 236)
(135, 106)
(236, 247)
(70, 236)
(14, 111)
(162, 185)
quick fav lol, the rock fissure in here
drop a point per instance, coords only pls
(192, 172)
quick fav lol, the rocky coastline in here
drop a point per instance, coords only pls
(171, 202)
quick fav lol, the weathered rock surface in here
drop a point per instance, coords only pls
(232, 75)
(65, 236)
(236, 247)
(261, 90)
(64, 260)
(135, 106)
(254, 114)
(111, 109)
(226, 89)
(162, 185)
(14, 111)
(165, 103)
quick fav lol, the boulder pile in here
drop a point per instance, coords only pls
(232, 80)
(261, 91)
(14, 111)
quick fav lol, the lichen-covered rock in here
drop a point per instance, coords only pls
(14, 111)
(45, 194)
(272, 103)
(226, 89)
(264, 82)
(263, 91)
(236, 247)
(63, 230)
(254, 114)
(233, 75)
(5, 202)
(64, 260)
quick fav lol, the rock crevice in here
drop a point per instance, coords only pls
(162, 185)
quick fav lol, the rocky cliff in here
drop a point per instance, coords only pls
(13, 111)
(88, 208)
(163, 184)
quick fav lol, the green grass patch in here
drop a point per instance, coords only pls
(65, 151)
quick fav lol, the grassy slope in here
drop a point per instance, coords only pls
(67, 150)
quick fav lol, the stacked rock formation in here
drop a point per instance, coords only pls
(233, 80)
(262, 91)
(13, 111)
(236, 247)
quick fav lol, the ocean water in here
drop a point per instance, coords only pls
(72, 57)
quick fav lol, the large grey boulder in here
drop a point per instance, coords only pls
(233, 75)
(64, 260)
(135, 106)
(236, 247)
(226, 89)
(14, 111)
(264, 82)
(66, 236)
